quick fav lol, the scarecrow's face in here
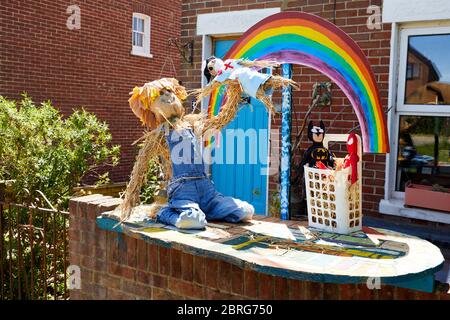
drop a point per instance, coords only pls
(167, 106)
(317, 134)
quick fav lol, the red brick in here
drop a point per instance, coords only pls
(131, 246)
(224, 276)
(187, 266)
(153, 258)
(212, 272)
(296, 290)
(237, 280)
(121, 270)
(159, 281)
(199, 269)
(266, 287)
(251, 283)
(160, 294)
(175, 263)
(185, 289)
(281, 290)
(141, 254)
(164, 261)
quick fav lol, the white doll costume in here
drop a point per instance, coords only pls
(231, 69)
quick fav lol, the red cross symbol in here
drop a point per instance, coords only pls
(228, 66)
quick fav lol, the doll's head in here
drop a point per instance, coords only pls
(211, 67)
(158, 101)
(315, 133)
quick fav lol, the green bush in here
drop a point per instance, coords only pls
(41, 150)
(152, 185)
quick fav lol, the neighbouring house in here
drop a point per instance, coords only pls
(90, 54)
(123, 43)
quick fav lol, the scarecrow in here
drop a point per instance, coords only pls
(174, 140)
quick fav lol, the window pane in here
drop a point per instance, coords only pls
(424, 151)
(138, 39)
(138, 24)
(428, 70)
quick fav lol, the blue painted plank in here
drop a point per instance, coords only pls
(286, 71)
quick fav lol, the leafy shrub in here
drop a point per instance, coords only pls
(152, 186)
(41, 150)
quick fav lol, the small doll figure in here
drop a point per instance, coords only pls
(241, 77)
(175, 141)
(352, 158)
(317, 155)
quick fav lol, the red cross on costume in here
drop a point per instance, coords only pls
(228, 66)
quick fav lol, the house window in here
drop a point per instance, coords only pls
(423, 151)
(141, 35)
(428, 70)
(420, 124)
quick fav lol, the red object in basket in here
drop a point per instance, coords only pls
(352, 158)
(320, 165)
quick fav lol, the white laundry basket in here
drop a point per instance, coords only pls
(333, 205)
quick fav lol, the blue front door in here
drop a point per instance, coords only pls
(243, 173)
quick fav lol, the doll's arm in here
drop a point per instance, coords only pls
(258, 64)
(152, 147)
(227, 111)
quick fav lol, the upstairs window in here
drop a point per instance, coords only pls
(141, 35)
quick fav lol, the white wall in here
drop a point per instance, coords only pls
(231, 22)
(415, 10)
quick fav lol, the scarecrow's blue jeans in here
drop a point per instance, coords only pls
(193, 201)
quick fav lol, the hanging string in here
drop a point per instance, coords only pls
(168, 58)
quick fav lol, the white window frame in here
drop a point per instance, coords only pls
(143, 51)
(393, 202)
(403, 58)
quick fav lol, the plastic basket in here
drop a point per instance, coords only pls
(333, 205)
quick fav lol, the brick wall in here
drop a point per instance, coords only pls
(349, 15)
(115, 266)
(90, 67)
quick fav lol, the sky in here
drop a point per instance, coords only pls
(437, 49)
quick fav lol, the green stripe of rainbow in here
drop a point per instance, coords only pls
(301, 38)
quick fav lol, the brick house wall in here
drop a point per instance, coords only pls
(117, 266)
(349, 15)
(90, 67)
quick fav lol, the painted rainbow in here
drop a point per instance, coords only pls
(306, 39)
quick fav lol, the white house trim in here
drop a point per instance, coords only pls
(231, 22)
(415, 10)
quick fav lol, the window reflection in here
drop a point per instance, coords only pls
(424, 151)
(428, 70)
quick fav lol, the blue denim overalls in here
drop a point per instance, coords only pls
(192, 196)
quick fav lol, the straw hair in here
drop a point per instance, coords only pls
(142, 101)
